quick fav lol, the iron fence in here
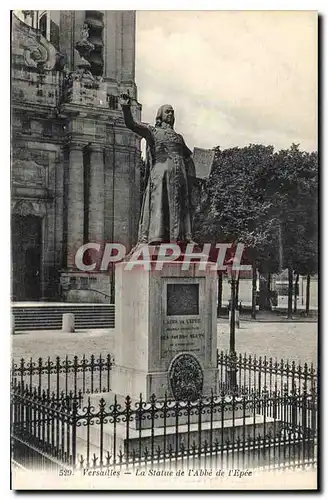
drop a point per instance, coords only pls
(260, 373)
(270, 429)
(92, 375)
(65, 377)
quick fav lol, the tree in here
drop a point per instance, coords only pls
(296, 208)
(234, 206)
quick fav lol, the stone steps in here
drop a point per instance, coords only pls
(49, 317)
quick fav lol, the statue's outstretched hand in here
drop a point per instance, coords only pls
(125, 100)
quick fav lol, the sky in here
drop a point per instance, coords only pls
(233, 77)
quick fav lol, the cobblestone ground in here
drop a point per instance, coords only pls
(294, 341)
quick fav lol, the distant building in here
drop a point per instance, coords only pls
(280, 285)
(75, 166)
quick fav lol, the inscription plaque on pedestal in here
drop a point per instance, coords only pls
(182, 299)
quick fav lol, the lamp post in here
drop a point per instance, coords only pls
(232, 370)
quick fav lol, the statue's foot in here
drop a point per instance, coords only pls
(192, 242)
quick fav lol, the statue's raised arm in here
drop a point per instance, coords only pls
(139, 128)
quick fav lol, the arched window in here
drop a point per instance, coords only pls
(49, 29)
(54, 34)
(43, 25)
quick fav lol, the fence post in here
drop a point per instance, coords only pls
(260, 375)
(313, 411)
(294, 404)
(74, 422)
(199, 408)
(101, 418)
(232, 371)
(75, 371)
(109, 364)
(285, 405)
(313, 425)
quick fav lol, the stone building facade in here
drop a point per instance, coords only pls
(75, 166)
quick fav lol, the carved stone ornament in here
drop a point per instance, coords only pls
(38, 52)
(25, 207)
(84, 34)
(186, 378)
(28, 173)
(84, 47)
(35, 155)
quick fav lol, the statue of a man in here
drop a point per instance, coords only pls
(166, 209)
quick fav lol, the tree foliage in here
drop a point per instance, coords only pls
(268, 201)
(235, 207)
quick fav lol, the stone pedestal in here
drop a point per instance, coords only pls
(165, 331)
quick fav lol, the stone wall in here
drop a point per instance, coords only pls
(60, 114)
(85, 287)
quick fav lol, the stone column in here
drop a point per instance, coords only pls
(75, 202)
(96, 195)
(128, 41)
(122, 197)
(110, 35)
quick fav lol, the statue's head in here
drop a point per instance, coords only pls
(165, 114)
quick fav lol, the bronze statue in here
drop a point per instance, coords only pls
(166, 214)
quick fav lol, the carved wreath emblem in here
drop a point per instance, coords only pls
(186, 378)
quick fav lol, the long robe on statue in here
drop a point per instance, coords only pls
(166, 209)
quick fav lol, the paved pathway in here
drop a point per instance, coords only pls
(294, 341)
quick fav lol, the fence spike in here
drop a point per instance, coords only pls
(108, 457)
(102, 404)
(94, 460)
